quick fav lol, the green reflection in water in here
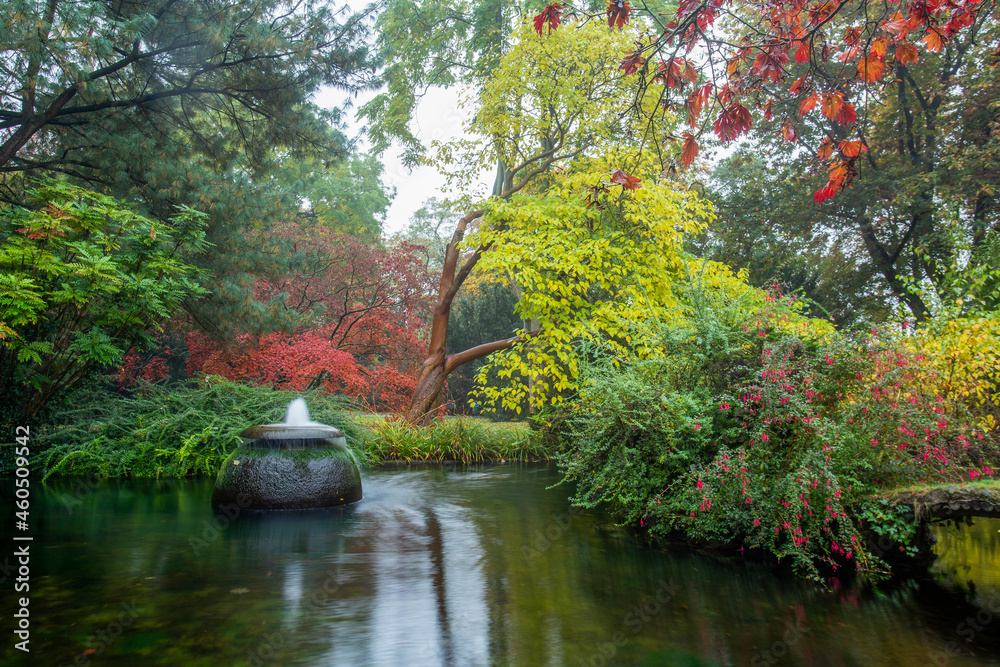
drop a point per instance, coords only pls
(969, 558)
(446, 566)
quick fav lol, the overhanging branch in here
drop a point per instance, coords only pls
(453, 361)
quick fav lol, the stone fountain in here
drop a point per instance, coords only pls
(298, 464)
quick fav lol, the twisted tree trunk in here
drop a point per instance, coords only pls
(439, 364)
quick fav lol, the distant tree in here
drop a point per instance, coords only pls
(428, 229)
(369, 299)
(486, 313)
(927, 207)
(358, 307)
(765, 225)
(431, 43)
(344, 195)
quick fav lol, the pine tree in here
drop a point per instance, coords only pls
(183, 103)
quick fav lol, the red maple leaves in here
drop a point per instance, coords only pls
(690, 150)
(551, 15)
(618, 13)
(632, 61)
(842, 173)
(753, 71)
(368, 301)
(627, 181)
(733, 120)
(299, 361)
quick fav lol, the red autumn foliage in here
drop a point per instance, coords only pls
(852, 148)
(789, 133)
(627, 181)
(367, 302)
(302, 361)
(148, 368)
(369, 299)
(748, 63)
(696, 101)
(618, 13)
(690, 150)
(733, 121)
(632, 61)
(551, 15)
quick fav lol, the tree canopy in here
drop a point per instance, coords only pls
(207, 105)
(551, 100)
(926, 210)
(718, 60)
(242, 66)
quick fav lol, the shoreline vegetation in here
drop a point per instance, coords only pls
(189, 429)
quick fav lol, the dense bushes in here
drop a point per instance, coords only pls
(166, 432)
(189, 429)
(83, 277)
(744, 433)
(962, 357)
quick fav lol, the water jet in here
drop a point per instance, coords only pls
(297, 464)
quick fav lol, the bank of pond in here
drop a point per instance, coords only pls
(461, 565)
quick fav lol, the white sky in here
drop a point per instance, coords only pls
(438, 117)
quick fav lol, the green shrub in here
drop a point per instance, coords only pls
(83, 277)
(740, 433)
(173, 431)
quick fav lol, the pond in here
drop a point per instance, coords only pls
(456, 566)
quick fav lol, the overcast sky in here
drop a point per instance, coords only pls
(438, 117)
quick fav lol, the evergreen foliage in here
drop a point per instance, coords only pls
(194, 104)
(220, 72)
(82, 279)
(176, 431)
(480, 315)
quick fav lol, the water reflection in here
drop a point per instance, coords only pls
(443, 566)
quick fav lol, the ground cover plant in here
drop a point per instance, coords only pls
(188, 430)
(176, 431)
(462, 439)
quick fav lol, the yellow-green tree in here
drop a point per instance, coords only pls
(552, 115)
(594, 259)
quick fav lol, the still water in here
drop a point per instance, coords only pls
(455, 566)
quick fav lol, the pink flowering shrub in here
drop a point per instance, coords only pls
(744, 435)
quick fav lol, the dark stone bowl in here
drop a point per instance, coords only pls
(279, 467)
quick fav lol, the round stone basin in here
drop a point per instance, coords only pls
(289, 467)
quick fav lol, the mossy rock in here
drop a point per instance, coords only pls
(288, 479)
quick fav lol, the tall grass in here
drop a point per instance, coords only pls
(463, 439)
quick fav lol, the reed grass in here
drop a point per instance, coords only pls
(462, 439)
